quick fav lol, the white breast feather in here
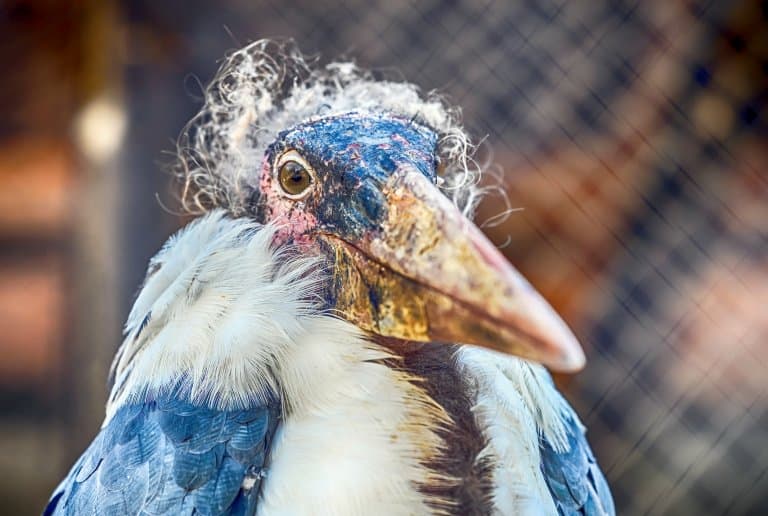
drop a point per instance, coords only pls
(516, 402)
(219, 311)
(356, 434)
(223, 314)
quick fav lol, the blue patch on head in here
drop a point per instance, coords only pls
(354, 154)
(368, 144)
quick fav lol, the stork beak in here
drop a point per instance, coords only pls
(429, 274)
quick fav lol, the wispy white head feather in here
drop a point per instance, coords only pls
(268, 87)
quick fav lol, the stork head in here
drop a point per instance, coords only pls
(405, 263)
(350, 168)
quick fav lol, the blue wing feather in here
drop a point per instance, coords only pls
(170, 456)
(575, 481)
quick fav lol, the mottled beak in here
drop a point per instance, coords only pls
(429, 274)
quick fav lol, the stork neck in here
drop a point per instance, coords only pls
(358, 435)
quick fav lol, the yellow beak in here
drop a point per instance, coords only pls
(429, 274)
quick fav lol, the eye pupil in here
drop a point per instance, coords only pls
(294, 178)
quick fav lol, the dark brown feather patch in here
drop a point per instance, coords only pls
(472, 493)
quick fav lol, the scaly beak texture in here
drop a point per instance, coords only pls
(429, 274)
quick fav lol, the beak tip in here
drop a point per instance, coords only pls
(572, 361)
(569, 356)
(558, 347)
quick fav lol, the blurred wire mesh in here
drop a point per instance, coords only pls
(631, 133)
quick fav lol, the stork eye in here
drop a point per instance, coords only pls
(294, 175)
(294, 178)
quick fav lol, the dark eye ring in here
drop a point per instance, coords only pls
(294, 175)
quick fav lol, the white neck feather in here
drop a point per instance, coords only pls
(358, 434)
(219, 313)
(516, 404)
(232, 322)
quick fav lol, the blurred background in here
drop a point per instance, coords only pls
(633, 135)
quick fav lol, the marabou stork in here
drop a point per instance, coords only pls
(295, 349)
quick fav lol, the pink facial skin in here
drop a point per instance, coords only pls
(295, 222)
